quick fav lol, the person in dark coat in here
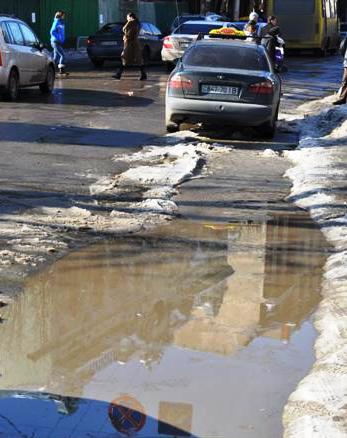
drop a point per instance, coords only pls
(271, 23)
(132, 53)
(269, 41)
(343, 90)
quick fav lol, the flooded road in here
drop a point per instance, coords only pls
(202, 327)
(205, 327)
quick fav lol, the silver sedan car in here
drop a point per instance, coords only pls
(224, 82)
(23, 60)
(183, 36)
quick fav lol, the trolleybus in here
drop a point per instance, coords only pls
(307, 24)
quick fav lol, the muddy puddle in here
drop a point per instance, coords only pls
(190, 330)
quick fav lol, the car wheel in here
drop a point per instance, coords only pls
(48, 86)
(172, 127)
(12, 88)
(146, 55)
(97, 62)
(268, 129)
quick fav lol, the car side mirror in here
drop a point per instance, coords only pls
(38, 46)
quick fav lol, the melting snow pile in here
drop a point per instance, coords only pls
(121, 204)
(156, 171)
(318, 408)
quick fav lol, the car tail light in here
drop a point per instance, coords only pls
(1, 63)
(90, 41)
(265, 87)
(180, 82)
(167, 43)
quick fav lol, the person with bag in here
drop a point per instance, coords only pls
(343, 90)
(57, 41)
(132, 53)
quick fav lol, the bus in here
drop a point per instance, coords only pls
(307, 24)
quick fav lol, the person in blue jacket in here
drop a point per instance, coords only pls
(57, 41)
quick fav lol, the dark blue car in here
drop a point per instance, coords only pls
(107, 43)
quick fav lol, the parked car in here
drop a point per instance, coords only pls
(174, 45)
(23, 60)
(224, 82)
(107, 43)
(180, 19)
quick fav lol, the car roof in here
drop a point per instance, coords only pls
(5, 17)
(206, 22)
(112, 23)
(189, 15)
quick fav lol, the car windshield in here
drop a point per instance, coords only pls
(224, 57)
(112, 28)
(196, 28)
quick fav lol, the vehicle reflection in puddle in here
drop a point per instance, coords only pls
(205, 325)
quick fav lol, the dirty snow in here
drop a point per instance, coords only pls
(139, 197)
(318, 407)
(270, 153)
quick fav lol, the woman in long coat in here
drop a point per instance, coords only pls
(132, 53)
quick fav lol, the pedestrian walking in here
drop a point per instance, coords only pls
(252, 19)
(57, 41)
(132, 53)
(269, 41)
(343, 90)
(272, 22)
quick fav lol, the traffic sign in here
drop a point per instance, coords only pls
(127, 414)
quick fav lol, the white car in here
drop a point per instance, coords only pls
(175, 45)
(23, 60)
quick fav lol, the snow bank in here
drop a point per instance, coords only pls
(318, 407)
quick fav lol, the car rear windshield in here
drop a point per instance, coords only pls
(111, 28)
(244, 58)
(194, 29)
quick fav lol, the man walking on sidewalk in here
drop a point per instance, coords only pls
(343, 91)
(57, 41)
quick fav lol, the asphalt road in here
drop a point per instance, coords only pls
(55, 147)
(56, 141)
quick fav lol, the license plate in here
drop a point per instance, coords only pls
(184, 45)
(109, 43)
(220, 89)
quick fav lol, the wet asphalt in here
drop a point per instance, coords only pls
(61, 142)
(236, 222)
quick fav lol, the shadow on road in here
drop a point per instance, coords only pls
(71, 135)
(78, 97)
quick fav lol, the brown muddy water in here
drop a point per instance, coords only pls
(207, 329)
